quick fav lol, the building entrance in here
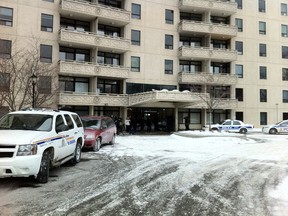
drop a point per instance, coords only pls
(152, 119)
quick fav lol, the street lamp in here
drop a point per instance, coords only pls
(34, 80)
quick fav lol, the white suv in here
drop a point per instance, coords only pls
(32, 141)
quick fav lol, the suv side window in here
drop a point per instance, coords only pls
(236, 123)
(227, 123)
(60, 125)
(77, 120)
(69, 121)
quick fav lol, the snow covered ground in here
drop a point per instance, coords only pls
(185, 173)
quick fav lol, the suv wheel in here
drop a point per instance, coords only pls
(243, 130)
(43, 174)
(272, 131)
(77, 154)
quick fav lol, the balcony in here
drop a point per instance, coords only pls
(92, 69)
(90, 40)
(207, 78)
(216, 30)
(92, 99)
(205, 53)
(88, 11)
(174, 96)
(215, 6)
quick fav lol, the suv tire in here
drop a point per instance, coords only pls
(43, 174)
(77, 154)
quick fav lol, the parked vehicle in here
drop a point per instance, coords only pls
(33, 141)
(280, 127)
(233, 126)
(98, 130)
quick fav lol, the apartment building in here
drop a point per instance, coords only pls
(160, 62)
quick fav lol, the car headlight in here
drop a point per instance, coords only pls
(90, 137)
(25, 150)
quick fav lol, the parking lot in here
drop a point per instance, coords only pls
(178, 174)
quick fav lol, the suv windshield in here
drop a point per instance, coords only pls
(35, 122)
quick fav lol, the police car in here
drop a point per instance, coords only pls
(233, 126)
(32, 141)
(280, 127)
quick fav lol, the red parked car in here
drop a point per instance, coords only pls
(98, 130)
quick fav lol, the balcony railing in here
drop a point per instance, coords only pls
(208, 28)
(90, 10)
(92, 69)
(92, 99)
(207, 78)
(89, 39)
(124, 100)
(226, 55)
(215, 6)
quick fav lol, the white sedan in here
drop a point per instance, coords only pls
(280, 127)
(233, 126)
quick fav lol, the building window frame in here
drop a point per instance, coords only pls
(239, 24)
(239, 70)
(239, 47)
(284, 74)
(46, 22)
(239, 4)
(263, 118)
(136, 11)
(135, 63)
(135, 37)
(262, 28)
(169, 16)
(46, 53)
(285, 96)
(44, 84)
(284, 10)
(5, 49)
(263, 95)
(168, 66)
(4, 82)
(262, 6)
(262, 50)
(6, 16)
(285, 52)
(168, 41)
(239, 94)
(263, 72)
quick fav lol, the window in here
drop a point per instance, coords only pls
(4, 82)
(77, 25)
(5, 48)
(284, 52)
(169, 16)
(108, 30)
(49, 0)
(262, 50)
(168, 66)
(263, 72)
(135, 37)
(285, 96)
(239, 116)
(68, 53)
(239, 94)
(239, 4)
(46, 23)
(190, 66)
(284, 30)
(261, 5)
(263, 95)
(239, 24)
(136, 11)
(110, 3)
(239, 71)
(263, 118)
(135, 64)
(168, 41)
(45, 53)
(108, 58)
(108, 86)
(262, 28)
(285, 74)
(6, 16)
(44, 86)
(73, 84)
(239, 47)
(283, 9)
(69, 121)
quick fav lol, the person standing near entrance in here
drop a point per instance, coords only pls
(187, 122)
(128, 125)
